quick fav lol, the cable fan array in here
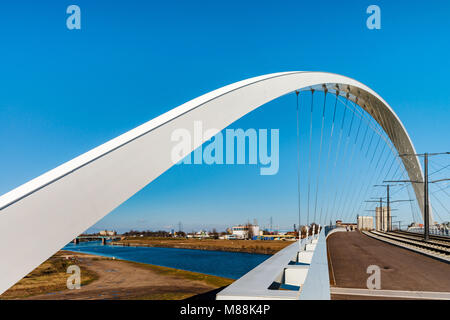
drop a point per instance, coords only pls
(342, 153)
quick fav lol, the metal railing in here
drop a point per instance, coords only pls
(433, 231)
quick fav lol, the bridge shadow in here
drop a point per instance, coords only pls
(209, 295)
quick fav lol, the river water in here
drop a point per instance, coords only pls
(218, 263)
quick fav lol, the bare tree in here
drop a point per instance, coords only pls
(250, 232)
(214, 234)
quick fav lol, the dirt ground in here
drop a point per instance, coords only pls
(350, 253)
(116, 279)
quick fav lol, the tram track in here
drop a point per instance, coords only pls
(440, 251)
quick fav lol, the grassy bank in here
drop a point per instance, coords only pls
(50, 276)
(213, 281)
(130, 280)
(248, 246)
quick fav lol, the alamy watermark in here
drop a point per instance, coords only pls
(74, 280)
(74, 20)
(230, 152)
(374, 20)
(374, 280)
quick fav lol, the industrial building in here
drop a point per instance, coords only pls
(350, 226)
(107, 233)
(383, 219)
(245, 231)
(365, 223)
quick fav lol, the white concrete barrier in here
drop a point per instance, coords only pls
(300, 269)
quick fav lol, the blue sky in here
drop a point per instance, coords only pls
(64, 91)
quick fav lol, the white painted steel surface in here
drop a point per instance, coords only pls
(305, 267)
(255, 284)
(317, 282)
(41, 216)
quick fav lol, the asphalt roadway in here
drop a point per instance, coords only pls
(350, 253)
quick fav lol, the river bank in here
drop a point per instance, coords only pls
(109, 278)
(232, 265)
(245, 246)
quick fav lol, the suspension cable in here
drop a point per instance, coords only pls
(442, 189)
(320, 151)
(338, 148)
(351, 181)
(309, 155)
(436, 212)
(440, 202)
(348, 202)
(365, 134)
(298, 167)
(329, 152)
(372, 180)
(349, 162)
(439, 170)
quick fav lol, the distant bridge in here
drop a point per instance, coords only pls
(94, 238)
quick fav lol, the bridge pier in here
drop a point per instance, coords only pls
(103, 241)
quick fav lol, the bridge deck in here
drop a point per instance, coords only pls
(350, 253)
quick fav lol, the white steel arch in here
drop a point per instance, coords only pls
(46, 213)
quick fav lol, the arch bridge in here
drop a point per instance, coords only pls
(54, 208)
